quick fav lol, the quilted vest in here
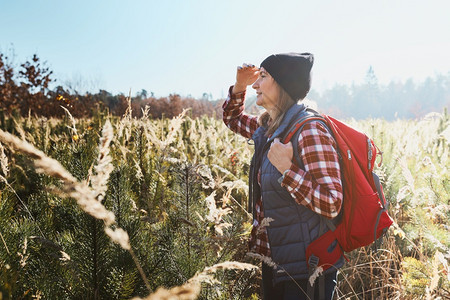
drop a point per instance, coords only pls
(294, 226)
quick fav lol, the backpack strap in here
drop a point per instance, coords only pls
(384, 203)
(292, 135)
(376, 180)
(295, 132)
(325, 223)
(298, 124)
(310, 289)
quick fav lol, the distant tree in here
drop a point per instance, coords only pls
(207, 96)
(9, 90)
(121, 105)
(34, 81)
(336, 101)
(175, 106)
(393, 101)
(25, 91)
(371, 78)
(366, 101)
(142, 94)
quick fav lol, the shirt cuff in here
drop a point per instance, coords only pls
(294, 175)
(236, 96)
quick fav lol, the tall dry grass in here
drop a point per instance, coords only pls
(90, 193)
(183, 182)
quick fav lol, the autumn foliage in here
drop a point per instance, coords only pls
(25, 89)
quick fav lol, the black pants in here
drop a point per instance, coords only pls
(290, 290)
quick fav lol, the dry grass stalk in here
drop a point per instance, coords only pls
(208, 180)
(174, 128)
(152, 137)
(268, 261)
(265, 259)
(223, 170)
(125, 122)
(119, 236)
(446, 267)
(72, 187)
(191, 289)
(228, 196)
(317, 272)
(435, 273)
(372, 275)
(406, 172)
(129, 112)
(264, 223)
(184, 292)
(23, 256)
(228, 265)
(145, 112)
(104, 165)
(73, 128)
(139, 175)
(439, 259)
(4, 161)
(6, 246)
(64, 256)
(20, 130)
(236, 184)
(82, 193)
(215, 214)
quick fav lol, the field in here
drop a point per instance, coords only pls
(116, 208)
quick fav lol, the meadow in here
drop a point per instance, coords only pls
(142, 208)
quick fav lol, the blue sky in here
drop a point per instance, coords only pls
(192, 47)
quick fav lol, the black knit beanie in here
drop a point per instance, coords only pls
(292, 71)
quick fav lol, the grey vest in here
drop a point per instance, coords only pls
(294, 226)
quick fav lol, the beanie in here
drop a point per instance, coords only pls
(292, 71)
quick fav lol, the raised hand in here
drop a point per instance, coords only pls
(245, 76)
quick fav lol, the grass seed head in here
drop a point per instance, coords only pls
(119, 236)
(4, 161)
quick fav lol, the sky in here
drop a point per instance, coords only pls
(193, 47)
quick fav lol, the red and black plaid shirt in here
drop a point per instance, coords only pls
(318, 187)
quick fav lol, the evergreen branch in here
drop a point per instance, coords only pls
(20, 200)
(75, 189)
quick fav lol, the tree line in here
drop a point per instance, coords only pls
(25, 89)
(403, 100)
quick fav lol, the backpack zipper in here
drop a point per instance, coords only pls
(370, 154)
(349, 155)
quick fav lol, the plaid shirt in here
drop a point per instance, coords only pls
(318, 187)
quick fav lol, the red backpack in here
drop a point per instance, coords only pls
(363, 217)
